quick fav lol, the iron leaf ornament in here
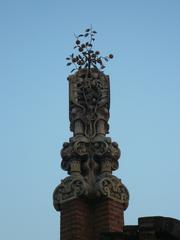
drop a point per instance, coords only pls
(86, 57)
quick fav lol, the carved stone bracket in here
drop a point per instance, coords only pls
(111, 187)
(76, 186)
(71, 187)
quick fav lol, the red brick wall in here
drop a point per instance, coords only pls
(82, 220)
(76, 221)
(108, 217)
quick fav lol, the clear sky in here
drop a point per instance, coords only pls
(35, 38)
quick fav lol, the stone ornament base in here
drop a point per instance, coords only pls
(111, 187)
(71, 187)
(76, 186)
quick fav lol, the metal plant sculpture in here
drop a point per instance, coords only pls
(86, 57)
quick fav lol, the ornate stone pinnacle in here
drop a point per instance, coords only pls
(90, 156)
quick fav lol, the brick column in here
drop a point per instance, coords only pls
(76, 220)
(108, 217)
(86, 220)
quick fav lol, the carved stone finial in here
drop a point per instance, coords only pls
(90, 156)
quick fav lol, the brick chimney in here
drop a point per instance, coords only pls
(91, 200)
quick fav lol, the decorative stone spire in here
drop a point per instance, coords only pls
(89, 157)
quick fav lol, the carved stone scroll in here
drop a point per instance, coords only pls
(110, 186)
(70, 188)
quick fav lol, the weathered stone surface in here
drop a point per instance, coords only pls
(111, 187)
(89, 102)
(70, 188)
(90, 156)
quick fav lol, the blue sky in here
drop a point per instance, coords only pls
(35, 38)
